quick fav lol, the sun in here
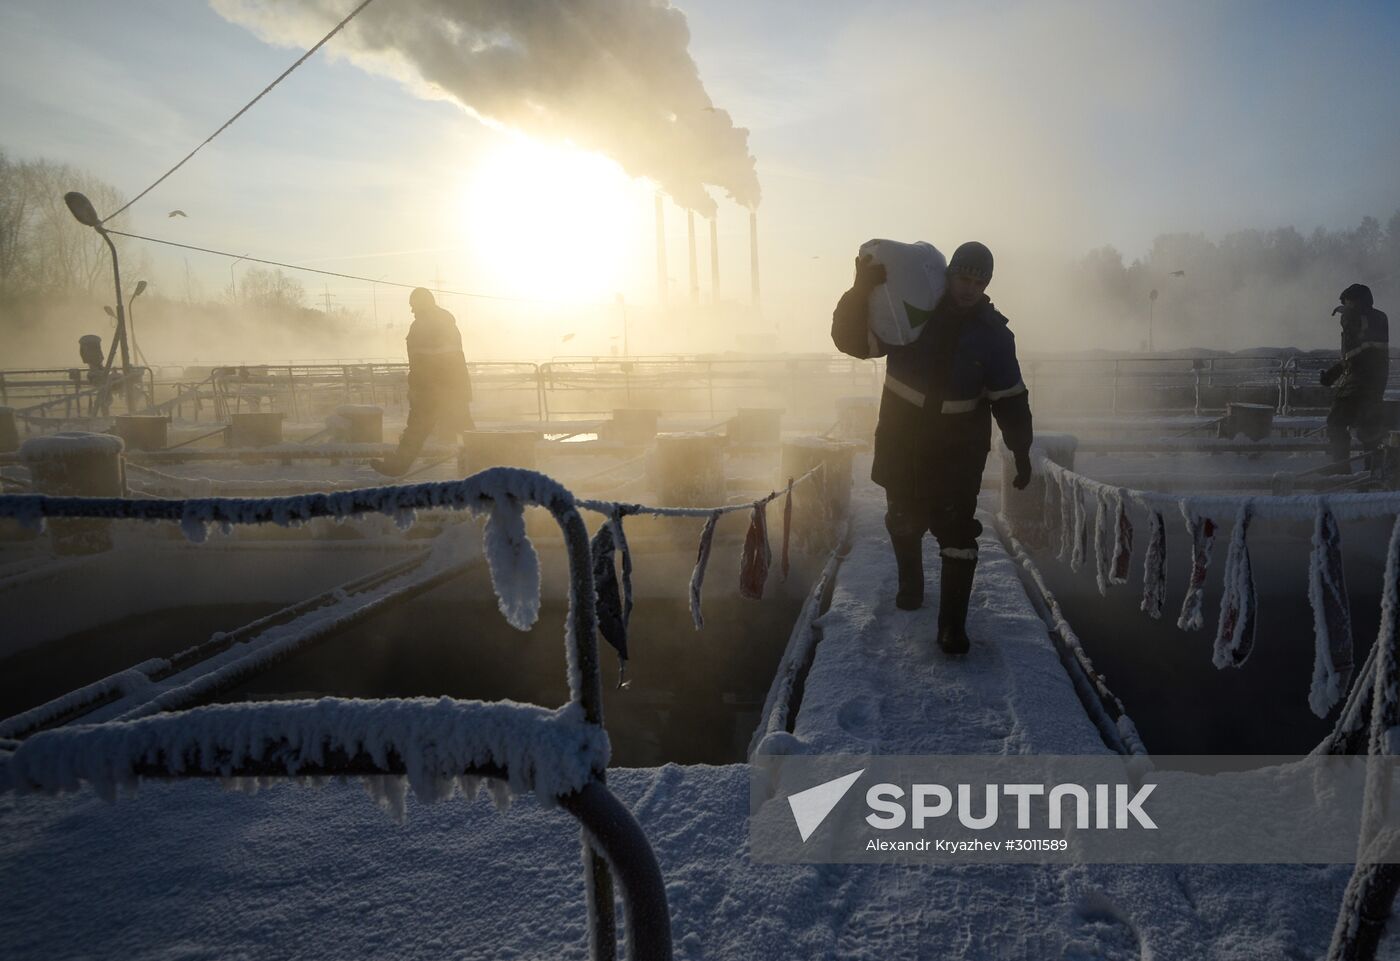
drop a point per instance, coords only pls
(551, 221)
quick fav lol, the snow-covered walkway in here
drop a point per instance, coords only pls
(880, 685)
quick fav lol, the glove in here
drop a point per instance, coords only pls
(869, 274)
(1331, 375)
(1023, 470)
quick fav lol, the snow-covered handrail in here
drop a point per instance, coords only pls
(471, 493)
(436, 741)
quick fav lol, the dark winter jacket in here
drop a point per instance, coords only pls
(941, 391)
(435, 358)
(1365, 363)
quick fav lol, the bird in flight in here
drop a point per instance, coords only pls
(1178, 273)
(177, 213)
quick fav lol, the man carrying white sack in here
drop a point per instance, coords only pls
(955, 369)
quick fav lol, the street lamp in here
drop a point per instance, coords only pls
(84, 213)
(1151, 303)
(232, 290)
(131, 321)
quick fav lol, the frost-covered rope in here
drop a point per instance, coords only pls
(1302, 507)
(613, 507)
(397, 501)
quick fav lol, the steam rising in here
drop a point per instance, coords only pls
(613, 76)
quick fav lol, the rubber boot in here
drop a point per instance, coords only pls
(954, 592)
(909, 559)
(391, 466)
(1339, 453)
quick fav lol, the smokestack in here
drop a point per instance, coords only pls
(714, 258)
(660, 253)
(694, 271)
(753, 252)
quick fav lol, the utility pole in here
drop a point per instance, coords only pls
(328, 299)
(1151, 303)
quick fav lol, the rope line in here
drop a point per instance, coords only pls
(229, 122)
(328, 273)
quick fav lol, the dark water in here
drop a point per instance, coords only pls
(1180, 702)
(40, 674)
(695, 697)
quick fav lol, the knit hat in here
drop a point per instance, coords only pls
(972, 260)
(1360, 294)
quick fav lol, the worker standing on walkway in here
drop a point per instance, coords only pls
(1360, 378)
(931, 443)
(439, 387)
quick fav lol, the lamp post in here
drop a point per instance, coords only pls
(1151, 303)
(232, 290)
(84, 213)
(131, 321)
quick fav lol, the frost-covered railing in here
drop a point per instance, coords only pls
(1369, 721)
(434, 747)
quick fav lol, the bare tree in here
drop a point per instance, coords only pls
(271, 290)
(42, 248)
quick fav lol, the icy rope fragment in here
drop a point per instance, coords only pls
(1122, 542)
(753, 566)
(1103, 544)
(1327, 593)
(611, 623)
(1202, 531)
(787, 527)
(697, 576)
(1080, 545)
(1066, 495)
(515, 568)
(1154, 567)
(1234, 632)
(1385, 705)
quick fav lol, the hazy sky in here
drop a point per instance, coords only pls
(1042, 128)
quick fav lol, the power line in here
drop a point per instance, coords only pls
(229, 122)
(332, 273)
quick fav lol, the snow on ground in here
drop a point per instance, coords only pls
(879, 684)
(187, 871)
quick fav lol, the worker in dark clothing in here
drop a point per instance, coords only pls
(90, 351)
(439, 387)
(934, 432)
(1359, 377)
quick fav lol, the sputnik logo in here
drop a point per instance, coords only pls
(810, 807)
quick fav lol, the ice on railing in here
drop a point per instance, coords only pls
(549, 752)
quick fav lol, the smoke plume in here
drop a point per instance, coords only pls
(614, 76)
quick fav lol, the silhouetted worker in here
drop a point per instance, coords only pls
(90, 351)
(1360, 378)
(934, 433)
(439, 387)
